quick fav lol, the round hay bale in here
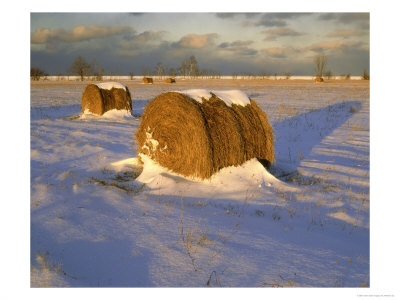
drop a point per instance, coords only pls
(170, 80)
(99, 100)
(224, 129)
(256, 131)
(92, 100)
(173, 133)
(319, 79)
(147, 80)
(197, 139)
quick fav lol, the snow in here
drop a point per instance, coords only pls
(113, 114)
(110, 85)
(101, 216)
(228, 96)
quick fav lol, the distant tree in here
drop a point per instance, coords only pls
(193, 66)
(172, 72)
(365, 75)
(146, 71)
(287, 75)
(131, 75)
(80, 67)
(37, 73)
(328, 74)
(160, 70)
(96, 70)
(320, 62)
(348, 76)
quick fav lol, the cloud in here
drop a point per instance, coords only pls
(346, 33)
(78, 33)
(233, 15)
(195, 41)
(274, 19)
(337, 45)
(273, 34)
(279, 52)
(136, 44)
(361, 20)
(238, 47)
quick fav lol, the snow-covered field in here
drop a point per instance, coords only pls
(98, 221)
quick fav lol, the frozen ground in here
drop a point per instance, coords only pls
(96, 223)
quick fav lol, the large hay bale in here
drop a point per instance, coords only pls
(173, 132)
(98, 99)
(198, 138)
(147, 80)
(225, 133)
(170, 80)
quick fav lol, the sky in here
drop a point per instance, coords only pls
(123, 43)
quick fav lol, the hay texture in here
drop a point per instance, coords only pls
(98, 99)
(147, 80)
(170, 80)
(197, 136)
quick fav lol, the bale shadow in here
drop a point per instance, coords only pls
(54, 112)
(296, 136)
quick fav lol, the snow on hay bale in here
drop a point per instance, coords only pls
(147, 80)
(170, 80)
(100, 98)
(196, 133)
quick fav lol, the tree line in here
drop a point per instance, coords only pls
(188, 68)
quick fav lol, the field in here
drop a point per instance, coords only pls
(98, 221)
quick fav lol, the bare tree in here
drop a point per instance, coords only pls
(320, 64)
(160, 70)
(37, 73)
(193, 67)
(365, 75)
(172, 72)
(80, 66)
(328, 74)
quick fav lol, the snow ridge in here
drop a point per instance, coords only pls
(228, 96)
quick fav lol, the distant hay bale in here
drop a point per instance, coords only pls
(98, 100)
(170, 80)
(147, 80)
(198, 139)
(319, 79)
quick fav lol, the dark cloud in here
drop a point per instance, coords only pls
(346, 33)
(134, 45)
(136, 14)
(233, 15)
(341, 45)
(361, 20)
(238, 47)
(273, 34)
(274, 19)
